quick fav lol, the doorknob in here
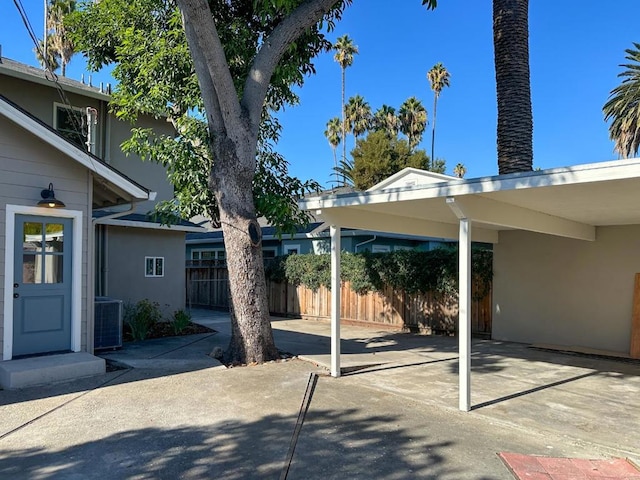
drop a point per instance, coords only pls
(16, 285)
(16, 295)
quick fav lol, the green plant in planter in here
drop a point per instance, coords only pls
(180, 321)
(141, 318)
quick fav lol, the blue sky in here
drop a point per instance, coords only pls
(575, 51)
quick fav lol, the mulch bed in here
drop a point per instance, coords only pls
(165, 329)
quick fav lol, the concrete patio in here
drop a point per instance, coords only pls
(393, 413)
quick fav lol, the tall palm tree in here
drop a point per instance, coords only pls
(60, 47)
(358, 115)
(623, 107)
(511, 56)
(345, 50)
(459, 170)
(438, 78)
(334, 135)
(386, 119)
(413, 120)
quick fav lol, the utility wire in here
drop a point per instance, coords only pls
(48, 71)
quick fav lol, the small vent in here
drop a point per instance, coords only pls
(108, 323)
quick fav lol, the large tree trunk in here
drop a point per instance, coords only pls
(511, 54)
(251, 334)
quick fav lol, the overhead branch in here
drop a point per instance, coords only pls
(274, 47)
(214, 77)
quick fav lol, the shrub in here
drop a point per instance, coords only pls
(180, 321)
(141, 318)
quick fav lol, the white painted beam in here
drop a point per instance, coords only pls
(464, 316)
(335, 300)
(384, 222)
(492, 212)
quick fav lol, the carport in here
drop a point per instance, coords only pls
(571, 202)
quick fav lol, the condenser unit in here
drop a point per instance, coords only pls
(108, 323)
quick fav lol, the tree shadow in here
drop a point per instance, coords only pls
(333, 444)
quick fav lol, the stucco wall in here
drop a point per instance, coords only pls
(566, 292)
(27, 166)
(127, 248)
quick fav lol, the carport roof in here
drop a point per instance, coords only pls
(568, 201)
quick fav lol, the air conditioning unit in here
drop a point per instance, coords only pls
(108, 323)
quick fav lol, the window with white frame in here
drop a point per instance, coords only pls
(208, 254)
(380, 248)
(291, 249)
(71, 123)
(154, 266)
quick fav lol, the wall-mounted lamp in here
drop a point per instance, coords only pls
(49, 199)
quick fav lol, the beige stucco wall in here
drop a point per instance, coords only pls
(27, 166)
(560, 291)
(127, 248)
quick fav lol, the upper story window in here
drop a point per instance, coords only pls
(71, 123)
(208, 255)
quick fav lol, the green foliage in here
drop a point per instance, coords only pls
(623, 107)
(141, 317)
(180, 321)
(380, 155)
(146, 42)
(409, 270)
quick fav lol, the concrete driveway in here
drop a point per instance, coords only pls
(392, 415)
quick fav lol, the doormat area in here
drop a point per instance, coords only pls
(531, 467)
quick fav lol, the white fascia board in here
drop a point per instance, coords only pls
(151, 225)
(579, 174)
(364, 219)
(492, 212)
(71, 151)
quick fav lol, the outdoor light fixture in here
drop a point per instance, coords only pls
(49, 199)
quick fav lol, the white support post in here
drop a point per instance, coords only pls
(335, 300)
(464, 315)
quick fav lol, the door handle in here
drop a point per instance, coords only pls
(16, 285)
(16, 295)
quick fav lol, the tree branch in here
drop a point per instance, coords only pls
(272, 50)
(210, 64)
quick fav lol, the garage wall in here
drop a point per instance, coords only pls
(566, 292)
(126, 280)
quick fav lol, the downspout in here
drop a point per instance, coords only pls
(373, 239)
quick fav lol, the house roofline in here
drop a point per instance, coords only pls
(24, 119)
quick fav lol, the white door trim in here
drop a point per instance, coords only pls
(76, 280)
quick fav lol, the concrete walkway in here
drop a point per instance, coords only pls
(179, 414)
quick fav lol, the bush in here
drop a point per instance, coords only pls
(180, 321)
(141, 317)
(408, 270)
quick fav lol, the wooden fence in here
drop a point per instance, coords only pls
(207, 286)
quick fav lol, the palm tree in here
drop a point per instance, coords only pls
(345, 50)
(511, 56)
(333, 134)
(386, 119)
(438, 78)
(459, 170)
(60, 47)
(623, 107)
(358, 115)
(413, 120)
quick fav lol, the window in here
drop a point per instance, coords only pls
(291, 249)
(380, 248)
(208, 254)
(398, 248)
(71, 124)
(154, 266)
(268, 253)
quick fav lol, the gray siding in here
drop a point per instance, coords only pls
(127, 249)
(27, 166)
(566, 292)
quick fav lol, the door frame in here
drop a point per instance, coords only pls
(76, 272)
